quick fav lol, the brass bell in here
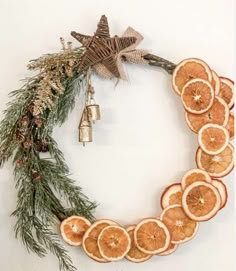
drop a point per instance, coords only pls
(93, 111)
(85, 129)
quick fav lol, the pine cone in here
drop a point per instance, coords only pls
(20, 137)
(38, 121)
(42, 146)
(20, 162)
(31, 108)
(36, 176)
(27, 143)
(24, 122)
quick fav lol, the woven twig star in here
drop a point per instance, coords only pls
(105, 53)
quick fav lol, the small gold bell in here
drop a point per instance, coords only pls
(93, 111)
(85, 129)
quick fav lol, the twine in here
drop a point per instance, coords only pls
(129, 54)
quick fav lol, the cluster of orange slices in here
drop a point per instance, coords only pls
(207, 99)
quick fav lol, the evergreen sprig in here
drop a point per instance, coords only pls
(15, 108)
(46, 194)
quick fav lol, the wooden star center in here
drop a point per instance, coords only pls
(102, 48)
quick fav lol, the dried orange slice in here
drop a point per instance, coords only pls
(227, 91)
(135, 255)
(113, 243)
(89, 242)
(181, 227)
(151, 236)
(171, 249)
(215, 82)
(171, 195)
(201, 201)
(194, 175)
(213, 138)
(190, 69)
(218, 165)
(230, 125)
(197, 96)
(222, 190)
(73, 229)
(217, 114)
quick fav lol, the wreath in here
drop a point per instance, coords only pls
(47, 196)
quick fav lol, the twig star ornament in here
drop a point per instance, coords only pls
(105, 53)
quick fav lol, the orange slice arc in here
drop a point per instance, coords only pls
(151, 236)
(227, 91)
(171, 195)
(222, 190)
(113, 243)
(135, 255)
(217, 114)
(201, 201)
(171, 249)
(73, 229)
(89, 242)
(215, 82)
(230, 125)
(194, 175)
(197, 96)
(218, 165)
(190, 69)
(213, 138)
(181, 227)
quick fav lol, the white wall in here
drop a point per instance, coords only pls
(142, 143)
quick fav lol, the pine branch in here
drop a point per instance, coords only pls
(16, 108)
(57, 154)
(66, 188)
(50, 240)
(35, 220)
(38, 211)
(46, 195)
(66, 102)
(25, 213)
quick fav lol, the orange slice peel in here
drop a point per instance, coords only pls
(217, 114)
(215, 82)
(213, 138)
(197, 96)
(90, 238)
(222, 190)
(218, 165)
(151, 236)
(230, 125)
(73, 229)
(194, 175)
(170, 250)
(113, 243)
(187, 70)
(135, 255)
(227, 91)
(171, 195)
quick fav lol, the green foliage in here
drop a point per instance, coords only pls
(46, 194)
(15, 108)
